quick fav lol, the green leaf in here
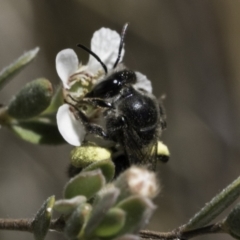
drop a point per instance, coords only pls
(102, 203)
(7, 73)
(112, 223)
(32, 99)
(76, 221)
(85, 183)
(66, 206)
(216, 206)
(231, 224)
(107, 167)
(37, 132)
(41, 222)
(138, 212)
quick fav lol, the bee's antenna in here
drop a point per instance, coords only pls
(121, 44)
(94, 55)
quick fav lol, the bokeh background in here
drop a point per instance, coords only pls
(191, 52)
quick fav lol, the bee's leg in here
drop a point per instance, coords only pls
(115, 126)
(90, 127)
(73, 171)
(97, 102)
(121, 163)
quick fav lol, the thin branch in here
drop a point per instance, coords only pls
(216, 206)
(16, 224)
(59, 224)
(26, 225)
(214, 228)
(178, 234)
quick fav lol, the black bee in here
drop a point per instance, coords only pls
(134, 118)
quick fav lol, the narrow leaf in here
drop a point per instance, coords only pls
(8, 72)
(231, 224)
(37, 132)
(216, 206)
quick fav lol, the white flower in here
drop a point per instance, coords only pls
(143, 83)
(66, 64)
(105, 44)
(70, 128)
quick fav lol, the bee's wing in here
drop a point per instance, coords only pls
(137, 152)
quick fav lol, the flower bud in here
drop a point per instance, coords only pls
(32, 99)
(137, 181)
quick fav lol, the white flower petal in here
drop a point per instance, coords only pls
(66, 64)
(105, 43)
(70, 128)
(143, 82)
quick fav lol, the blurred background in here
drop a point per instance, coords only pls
(190, 50)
